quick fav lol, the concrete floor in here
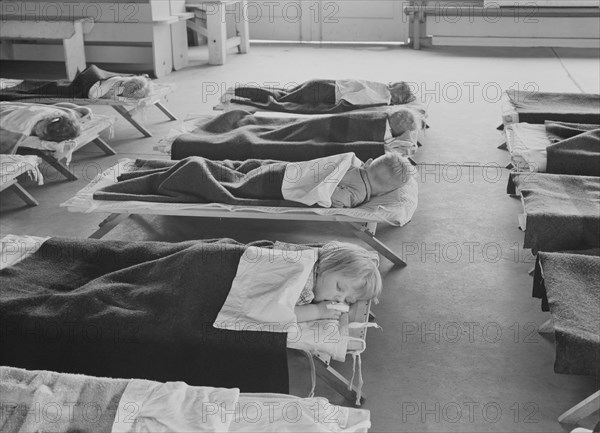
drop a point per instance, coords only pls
(459, 349)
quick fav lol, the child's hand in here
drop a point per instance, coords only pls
(326, 313)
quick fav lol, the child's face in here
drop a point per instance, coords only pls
(335, 286)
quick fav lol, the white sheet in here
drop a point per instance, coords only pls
(267, 284)
(313, 182)
(395, 208)
(527, 145)
(14, 248)
(148, 406)
(287, 413)
(509, 112)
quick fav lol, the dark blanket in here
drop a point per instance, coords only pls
(134, 310)
(62, 89)
(571, 283)
(563, 212)
(537, 107)
(199, 180)
(311, 97)
(239, 135)
(575, 148)
(44, 401)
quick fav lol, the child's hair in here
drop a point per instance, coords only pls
(388, 172)
(57, 128)
(401, 93)
(136, 87)
(355, 263)
(402, 120)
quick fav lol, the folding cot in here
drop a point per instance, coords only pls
(84, 403)
(13, 166)
(93, 272)
(567, 283)
(59, 155)
(127, 107)
(560, 212)
(395, 208)
(538, 107)
(554, 147)
(273, 135)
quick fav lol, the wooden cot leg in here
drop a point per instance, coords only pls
(123, 112)
(581, 410)
(103, 145)
(109, 223)
(59, 166)
(336, 381)
(23, 194)
(165, 110)
(363, 232)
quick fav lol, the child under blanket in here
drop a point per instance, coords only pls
(56, 122)
(136, 87)
(345, 273)
(337, 181)
(332, 92)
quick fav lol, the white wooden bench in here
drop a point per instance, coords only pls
(70, 32)
(210, 24)
(473, 23)
(140, 35)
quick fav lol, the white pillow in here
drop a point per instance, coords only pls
(265, 289)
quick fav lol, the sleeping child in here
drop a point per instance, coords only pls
(332, 92)
(335, 181)
(346, 274)
(136, 87)
(56, 122)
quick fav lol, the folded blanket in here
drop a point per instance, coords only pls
(563, 212)
(537, 107)
(134, 309)
(575, 148)
(239, 135)
(199, 180)
(571, 283)
(78, 88)
(312, 97)
(539, 288)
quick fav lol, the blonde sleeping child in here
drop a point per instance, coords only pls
(343, 274)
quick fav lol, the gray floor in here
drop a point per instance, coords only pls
(459, 349)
